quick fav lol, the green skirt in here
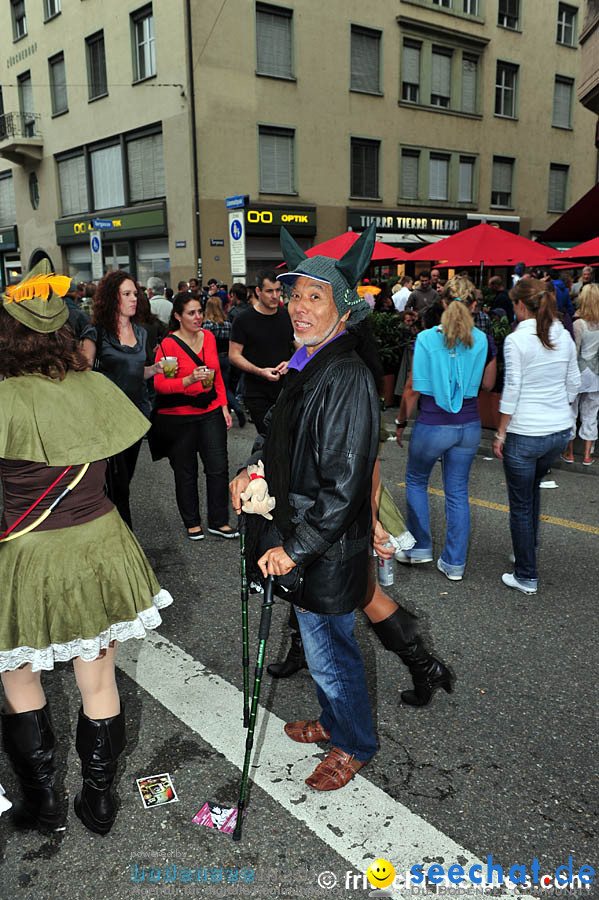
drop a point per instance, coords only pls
(69, 592)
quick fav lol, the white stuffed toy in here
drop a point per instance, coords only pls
(256, 498)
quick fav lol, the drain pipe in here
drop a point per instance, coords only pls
(194, 138)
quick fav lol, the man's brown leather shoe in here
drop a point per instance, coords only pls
(306, 732)
(335, 771)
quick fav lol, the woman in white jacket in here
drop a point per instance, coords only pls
(541, 381)
(586, 335)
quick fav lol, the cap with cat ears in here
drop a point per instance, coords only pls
(342, 274)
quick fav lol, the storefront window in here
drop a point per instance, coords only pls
(152, 258)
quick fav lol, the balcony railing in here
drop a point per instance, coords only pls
(19, 125)
(20, 137)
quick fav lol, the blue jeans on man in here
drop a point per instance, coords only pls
(335, 664)
(526, 460)
(457, 446)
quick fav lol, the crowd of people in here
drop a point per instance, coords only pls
(78, 393)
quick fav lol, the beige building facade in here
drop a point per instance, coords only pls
(95, 134)
(424, 115)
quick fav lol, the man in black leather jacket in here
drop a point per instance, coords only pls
(319, 453)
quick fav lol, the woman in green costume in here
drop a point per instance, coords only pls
(74, 579)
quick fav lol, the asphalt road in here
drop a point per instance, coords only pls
(505, 766)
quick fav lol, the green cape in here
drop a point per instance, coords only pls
(81, 419)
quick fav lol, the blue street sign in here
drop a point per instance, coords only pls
(102, 223)
(236, 202)
(95, 244)
(236, 229)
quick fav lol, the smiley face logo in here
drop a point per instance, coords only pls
(380, 873)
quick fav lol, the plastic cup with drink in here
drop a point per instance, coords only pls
(169, 366)
(207, 377)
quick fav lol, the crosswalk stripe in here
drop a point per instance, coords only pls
(351, 821)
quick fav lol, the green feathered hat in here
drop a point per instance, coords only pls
(342, 274)
(36, 301)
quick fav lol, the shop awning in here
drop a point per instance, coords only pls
(487, 245)
(579, 223)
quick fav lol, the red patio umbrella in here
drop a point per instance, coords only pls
(588, 250)
(489, 246)
(337, 246)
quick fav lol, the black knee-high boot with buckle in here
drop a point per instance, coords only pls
(99, 744)
(398, 634)
(29, 743)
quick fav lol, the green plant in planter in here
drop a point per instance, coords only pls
(391, 339)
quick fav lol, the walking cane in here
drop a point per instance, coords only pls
(243, 527)
(262, 638)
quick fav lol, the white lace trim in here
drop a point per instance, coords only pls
(403, 541)
(86, 648)
(4, 801)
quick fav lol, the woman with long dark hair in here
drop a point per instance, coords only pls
(541, 381)
(116, 345)
(74, 579)
(192, 417)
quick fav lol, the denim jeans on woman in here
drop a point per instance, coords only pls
(526, 460)
(457, 446)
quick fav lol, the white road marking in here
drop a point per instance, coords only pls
(208, 705)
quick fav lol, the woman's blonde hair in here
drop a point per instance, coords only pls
(589, 303)
(214, 310)
(457, 323)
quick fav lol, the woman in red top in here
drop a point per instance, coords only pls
(193, 417)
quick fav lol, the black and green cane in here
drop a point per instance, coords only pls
(243, 528)
(267, 604)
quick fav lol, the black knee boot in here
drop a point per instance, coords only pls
(398, 634)
(293, 662)
(99, 744)
(29, 743)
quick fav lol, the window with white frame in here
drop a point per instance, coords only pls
(365, 60)
(8, 213)
(509, 14)
(73, 185)
(276, 160)
(107, 177)
(441, 77)
(364, 167)
(58, 84)
(466, 179)
(51, 8)
(445, 3)
(142, 27)
(506, 83)
(470, 7)
(469, 83)
(562, 102)
(274, 41)
(558, 187)
(566, 24)
(502, 182)
(19, 19)
(96, 65)
(145, 164)
(410, 164)
(410, 71)
(438, 179)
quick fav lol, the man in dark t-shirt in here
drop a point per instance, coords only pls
(261, 344)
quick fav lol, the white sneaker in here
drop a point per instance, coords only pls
(511, 581)
(447, 575)
(402, 557)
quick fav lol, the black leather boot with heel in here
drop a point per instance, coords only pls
(398, 634)
(99, 744)
(29, 743)
(293, 662)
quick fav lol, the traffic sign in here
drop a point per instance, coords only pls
(236, 202)
(95, 245)
(237, 242)
(102, 223)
